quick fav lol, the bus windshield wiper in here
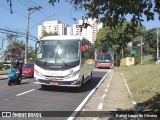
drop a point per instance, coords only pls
(45, 62)
(64, 63)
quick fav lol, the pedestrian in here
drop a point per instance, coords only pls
(19, 68)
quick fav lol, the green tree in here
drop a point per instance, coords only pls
(1, 65)
(15, 50)
(116, 38)
(31, 54)
(150, 42)
(113, 12)
(49, 34)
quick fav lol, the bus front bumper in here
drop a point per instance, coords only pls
(72, 83)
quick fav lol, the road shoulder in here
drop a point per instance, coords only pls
(111, 95)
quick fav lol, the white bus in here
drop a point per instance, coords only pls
(63, 61)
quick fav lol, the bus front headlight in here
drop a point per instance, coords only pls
(73, 74)
(38, 73)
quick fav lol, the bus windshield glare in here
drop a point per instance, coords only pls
(103, 58)
(58, 52)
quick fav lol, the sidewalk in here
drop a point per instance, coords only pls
(111, 96)
(2, 77)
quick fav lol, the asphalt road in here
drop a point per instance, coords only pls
(30, 97)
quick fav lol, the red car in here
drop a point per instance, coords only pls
(28, 70)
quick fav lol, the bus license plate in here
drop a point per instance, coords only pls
(53, 83)
(103, 65)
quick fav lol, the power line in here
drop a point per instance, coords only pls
(40, 22)
(17, 12)
(23, 3)
(34, 4)
(13, 11)
(20, 34)
(30, 3)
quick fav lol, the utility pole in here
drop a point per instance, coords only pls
(157, 45)
(122, 51)
(30, 11)
(141, 50)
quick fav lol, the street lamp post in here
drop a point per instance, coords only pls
(141, 50)
(157, 45)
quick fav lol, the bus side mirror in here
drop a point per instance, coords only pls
(83, 48)
(36, 46)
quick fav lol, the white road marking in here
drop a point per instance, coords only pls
(86, 99)
(95, 118)
(25, 92)
(100, 106)
(106, 90)
(134, 104)
(104, 95)
(25, 79)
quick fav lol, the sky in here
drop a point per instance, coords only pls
(62, 11)
(18, 19)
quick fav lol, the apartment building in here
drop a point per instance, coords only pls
(52, 26)
(64, 29)
(90, 32)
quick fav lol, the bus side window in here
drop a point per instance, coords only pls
(85, 54)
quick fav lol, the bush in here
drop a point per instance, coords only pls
(1, 65)
(137, 59)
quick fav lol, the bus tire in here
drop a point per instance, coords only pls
(44, 86)
(91, 74)
(82, 82)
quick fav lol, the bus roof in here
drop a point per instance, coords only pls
(63, 37)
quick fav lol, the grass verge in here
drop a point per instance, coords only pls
(4, 72)
(144, 83)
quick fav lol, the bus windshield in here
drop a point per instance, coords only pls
(58, 52)
(103, 58)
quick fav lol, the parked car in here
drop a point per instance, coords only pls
(28, 70)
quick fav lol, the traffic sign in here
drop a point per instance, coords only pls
(133, 52)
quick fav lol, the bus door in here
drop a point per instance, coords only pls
(87, 58)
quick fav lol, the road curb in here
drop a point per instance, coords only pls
(3, 78)
(134, 103)
(74, 114)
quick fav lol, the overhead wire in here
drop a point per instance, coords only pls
(16, 12)
(40, 22)
(22, 34)
(23, 3)
(34, 4)
(74, 19)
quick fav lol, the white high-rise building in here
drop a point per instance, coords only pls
(64, 29)
(52, 26)
(90, 32)
(69, 30)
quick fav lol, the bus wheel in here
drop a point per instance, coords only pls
(82, 82)
(89, 80)
(91, 74)
(44, 86)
